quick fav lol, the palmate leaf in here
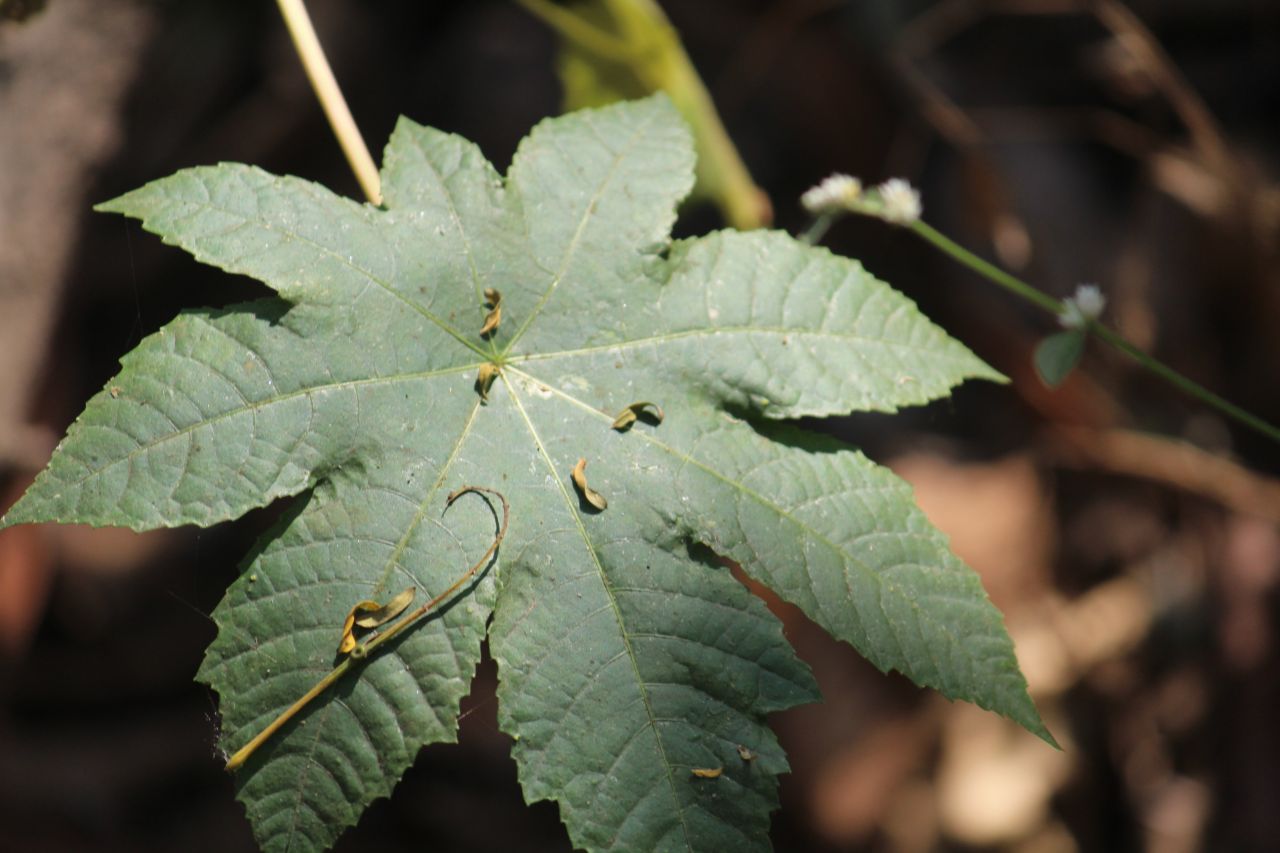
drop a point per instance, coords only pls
(627, 657)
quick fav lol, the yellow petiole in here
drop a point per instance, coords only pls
(362, 651)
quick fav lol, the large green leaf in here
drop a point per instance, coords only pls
(627, 656)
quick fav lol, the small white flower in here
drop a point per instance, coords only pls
(1084, 305)
(835, 193)
(1071, 317)
(900, 202)
(1091, 301)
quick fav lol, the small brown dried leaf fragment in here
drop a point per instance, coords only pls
(348, 640)
(745, 754)
(707, 772)
(375, 614)
(628, 416)
(591, 495)
(484, 379)
(388, 611)
(493, 299)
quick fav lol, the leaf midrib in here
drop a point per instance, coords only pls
(652, 340)
(642, 685)
(572, 248)
(463, 234)
(323, 250)
(262, 404)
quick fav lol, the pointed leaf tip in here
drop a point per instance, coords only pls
(1057, 355)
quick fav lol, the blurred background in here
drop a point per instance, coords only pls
(1128, 534)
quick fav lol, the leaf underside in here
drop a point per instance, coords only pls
(1057, 355)
(627, 659)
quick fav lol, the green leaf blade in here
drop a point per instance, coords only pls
(1058, 354)
(365, 535)
(826, 529)
(758, 322)
(304, 242)
(652, 724)
(175, 437)
(450, 205)
(220, 413)
(299, 239)
(625, 665)
(593, 185)
(867, 565)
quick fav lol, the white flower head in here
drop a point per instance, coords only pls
(836, 193)
(900, 202)
(1081, 307)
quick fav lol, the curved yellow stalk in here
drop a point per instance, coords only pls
(361, 652)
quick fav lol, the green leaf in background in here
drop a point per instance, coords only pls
(628, 657)
(615, 50)
(1057, 355)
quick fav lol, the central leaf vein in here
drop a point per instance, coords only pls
(572, 248)
(641, 686)
(326, 251)
(254, 407)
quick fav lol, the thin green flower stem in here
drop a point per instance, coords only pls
(1176, 379)
(986, 268)
(1055, 307)
(362, 652)
(335, 107)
